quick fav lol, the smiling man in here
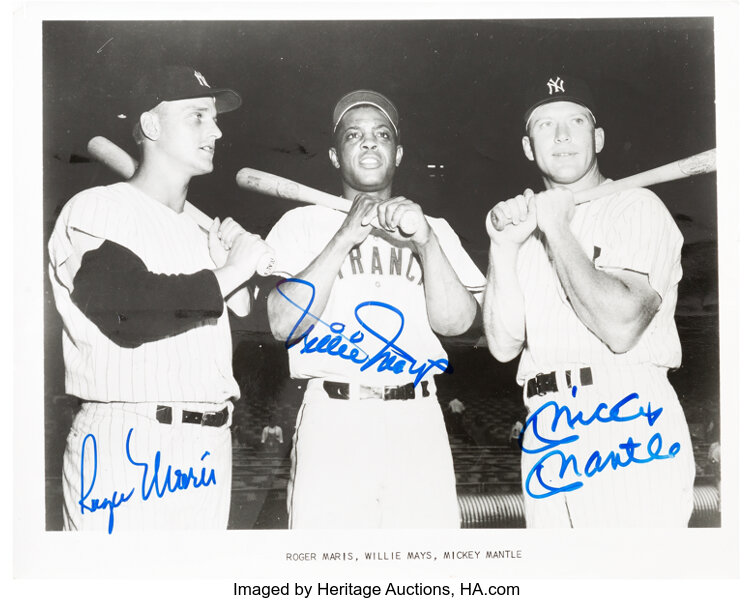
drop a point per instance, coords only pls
(587, 293)
(143, 292)
(361, 321)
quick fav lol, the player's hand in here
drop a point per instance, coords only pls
(242, 259)
(392, 211)
(221, 238)
(519, 214)
(245, 252)
(554, 209)
(357, 225)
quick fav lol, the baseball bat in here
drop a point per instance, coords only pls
(704, 162)
(273, 185)
(122, 163)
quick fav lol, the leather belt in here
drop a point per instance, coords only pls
(341, 391)
(164, 414)
(544, 383)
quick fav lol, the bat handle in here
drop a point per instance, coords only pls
(499, 223)
(409, 223)
(580, 197)
(266, 263)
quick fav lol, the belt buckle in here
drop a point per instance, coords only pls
(206, 416)
(366, 392)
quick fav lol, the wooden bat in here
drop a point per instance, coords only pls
(704, 162)
(273, 185)
(122, 163)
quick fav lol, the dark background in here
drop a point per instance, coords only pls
(457, 85)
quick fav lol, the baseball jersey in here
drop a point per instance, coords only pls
(377, 270)
(629, 230)
(192, 366)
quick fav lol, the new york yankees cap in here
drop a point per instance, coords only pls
(167, 83)
(369, 98)
(558, 88)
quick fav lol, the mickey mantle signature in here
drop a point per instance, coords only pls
(570, 472)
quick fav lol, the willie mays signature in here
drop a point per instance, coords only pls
(570, 474)
(337, 343)
(152, 480)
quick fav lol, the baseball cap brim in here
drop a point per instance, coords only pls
(563, 98)
(171, 83)
(225, 99)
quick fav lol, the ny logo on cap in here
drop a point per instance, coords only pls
(200, 79)
(555, 85)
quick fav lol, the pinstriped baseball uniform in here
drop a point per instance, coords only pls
(630, 230)
(122, 386)
(369, 462)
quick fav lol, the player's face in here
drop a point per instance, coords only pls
(564, 143)
(188, 132)
(367, 152)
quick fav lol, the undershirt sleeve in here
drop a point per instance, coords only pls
(132, 305)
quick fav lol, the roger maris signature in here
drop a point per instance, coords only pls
(338, 343)
(545, 439)
(152, 480)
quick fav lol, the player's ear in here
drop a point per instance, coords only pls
(599, 139)
(333, 158)
(527, 148)
(398, 155)
(149, 125)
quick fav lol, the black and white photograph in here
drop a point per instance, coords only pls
(434, 297)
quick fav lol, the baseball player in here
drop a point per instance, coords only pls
(360, 315)
(588, 294)
(142, 292)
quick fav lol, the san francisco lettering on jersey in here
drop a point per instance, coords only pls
(359, 263)
(570, 473)
(346, 346)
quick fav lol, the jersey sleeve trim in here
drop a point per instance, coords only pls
(131, 305)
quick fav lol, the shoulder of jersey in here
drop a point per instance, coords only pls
(632, 199)
(313, 214)
(105, 194)
(441, 227)
(314, 210)
(110, 203)
(440, 221)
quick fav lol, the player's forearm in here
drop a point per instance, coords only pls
(229, 279)
(240, 302)
(504, 309)
(308, 297)
(450, 306)
(131, 305)
(605, 304)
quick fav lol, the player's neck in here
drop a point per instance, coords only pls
(383, 194)
(168, 188)
(591, 179)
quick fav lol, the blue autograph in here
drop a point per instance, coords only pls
(338, 343)
(536, 442)
(172, 480)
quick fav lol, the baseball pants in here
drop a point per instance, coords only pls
(371, 463)
(615, 491)
(181, 479)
